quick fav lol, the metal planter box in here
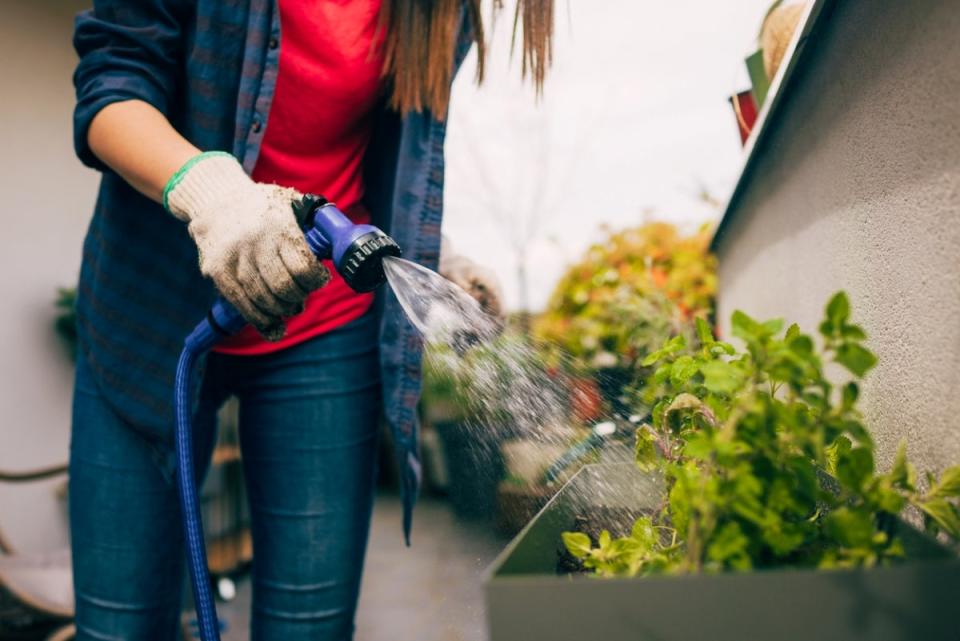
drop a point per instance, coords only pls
(527, 600)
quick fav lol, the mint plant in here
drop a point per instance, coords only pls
(767, 462)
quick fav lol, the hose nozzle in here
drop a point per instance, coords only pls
(357, 251)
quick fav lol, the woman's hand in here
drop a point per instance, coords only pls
(480, 282)
(249, 241)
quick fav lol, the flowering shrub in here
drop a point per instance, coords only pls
(628, 295)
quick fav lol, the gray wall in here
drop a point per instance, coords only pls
(858, 187)
(46, 197)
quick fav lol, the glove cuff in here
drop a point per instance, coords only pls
(202, 182)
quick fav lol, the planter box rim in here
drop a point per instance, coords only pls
(949, 555)
(779, 571)
(526, 599)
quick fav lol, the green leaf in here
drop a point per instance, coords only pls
(604, 540)
(853, 332)
(720, 347)
(727, 543)
(792, 332)
(850, 394)
(889, 500)
(750, 330)
(772, 326)
(620, 547)
(743, 326)
(721, 378)
(944, 514)
(838, 309)
(801, 347)
(675, 344)
(704, 333)
(856, 358)
(858, 432)
(652, 358)
(855, 467)
(685, 401)
(784, 537)
(578, 543)
(662, 375)
(700, 446)
(683, 370)
(659, 412)
(948, 486)
(902, 474)
(826, 329)
(645, 451)
(849, 527)
(840, 448)
(669, 348)
(643, 532)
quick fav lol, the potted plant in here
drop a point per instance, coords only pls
(65, 323)
(753, 511)
(524, 489)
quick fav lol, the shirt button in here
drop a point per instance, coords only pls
(274, 42)
(257, 126)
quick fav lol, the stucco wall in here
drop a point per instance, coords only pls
(46, 198)
(857, 186)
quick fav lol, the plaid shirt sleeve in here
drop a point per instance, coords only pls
(128, 49)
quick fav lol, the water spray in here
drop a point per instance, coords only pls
(358, 253)
(599, 435)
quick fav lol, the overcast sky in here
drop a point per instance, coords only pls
(633, 121)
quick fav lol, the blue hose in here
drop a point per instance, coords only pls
(198, 343)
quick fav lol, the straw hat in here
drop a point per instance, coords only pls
(775, 35)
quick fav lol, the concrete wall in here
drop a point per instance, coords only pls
(46, 198)
(857, 186)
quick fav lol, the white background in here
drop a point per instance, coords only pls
(633, 121)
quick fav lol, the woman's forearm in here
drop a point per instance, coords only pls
(138, 142)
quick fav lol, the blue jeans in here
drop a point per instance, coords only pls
(309, 419)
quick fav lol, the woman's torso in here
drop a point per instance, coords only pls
(317, 132)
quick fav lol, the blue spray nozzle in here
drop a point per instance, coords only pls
(357, 251)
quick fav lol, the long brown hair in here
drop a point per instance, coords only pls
(421, 36)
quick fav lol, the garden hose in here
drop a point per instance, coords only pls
(357, 252)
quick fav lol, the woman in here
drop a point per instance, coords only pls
(220, 112)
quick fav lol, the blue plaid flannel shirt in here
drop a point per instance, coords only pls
(211, 67)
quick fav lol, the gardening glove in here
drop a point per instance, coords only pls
(249, 240)
(480, 282)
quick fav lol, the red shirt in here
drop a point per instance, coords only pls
(317, 132)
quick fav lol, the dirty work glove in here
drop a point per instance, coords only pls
(480, 282)
(250, 243)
